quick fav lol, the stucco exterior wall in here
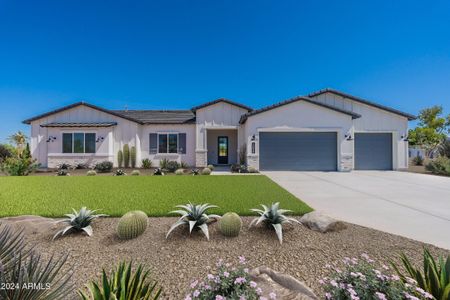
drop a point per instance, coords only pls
(301, 116)
(375, 120)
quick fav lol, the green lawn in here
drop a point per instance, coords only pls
(156, 195)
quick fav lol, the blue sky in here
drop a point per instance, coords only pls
(177, 54)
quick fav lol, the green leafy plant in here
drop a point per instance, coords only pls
(5, 152)
(230, 224)
(365, 278)
(234, 168)
(195, 172)
(444, 148)
(123, 284)
(135, 173)
(206, 171)
(133, 157)
(439, 166)
(126, 156)
(22, 266)
(63, 166)
(418, 160)
(172, 166)
(163, 163)
(274, 217)
(132, 224)
(158, 172)
(91, 173)
(79, 221)
(243, 154)
(435, 277)
(120, 172)
(19, 166)
(184, 165)
(120, 158)
(81, 166)
(194, 216)
(146, 163)
(179, 172)
(104, 166)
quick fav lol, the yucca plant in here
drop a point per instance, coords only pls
(435, 278)
(123, 284)
(273, 216)
(79, 221)
(22, 266)
(195, 216)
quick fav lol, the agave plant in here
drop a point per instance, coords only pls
(273, 216)
(23, 266)
(123, 284)
(435, 278)
(195, 216)
(79, 221)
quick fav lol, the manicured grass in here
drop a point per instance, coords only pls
(156, 195)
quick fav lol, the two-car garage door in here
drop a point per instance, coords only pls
(317, 151)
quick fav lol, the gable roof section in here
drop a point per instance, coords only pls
(363, 101)
(28, 121)
(295, 99)
(159, 116)
(221, 100)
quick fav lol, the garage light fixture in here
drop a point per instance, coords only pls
(253, 137)
(99, 139)
(51, 139)
(348, 137)
(405, 138)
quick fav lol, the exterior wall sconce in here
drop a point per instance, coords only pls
(99, 139)
(51, 139)
(253, 138)
(348, 137)
(405, 138)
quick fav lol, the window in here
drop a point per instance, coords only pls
(167, 143)
(162, 142)
(78, 142)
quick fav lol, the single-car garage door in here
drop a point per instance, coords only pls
(298, 151)
(373, 151)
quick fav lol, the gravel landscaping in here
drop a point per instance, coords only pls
(176, 262)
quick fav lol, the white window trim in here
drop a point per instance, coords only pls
(167, 133)
(73, 144)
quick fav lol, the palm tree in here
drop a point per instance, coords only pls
(19, 139)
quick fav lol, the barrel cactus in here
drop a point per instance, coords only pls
(132, 224)
(230, 224)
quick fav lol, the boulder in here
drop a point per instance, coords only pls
(320, 222)
(32, 224)
(284, 286)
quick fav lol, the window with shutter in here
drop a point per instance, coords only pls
(153, 143)
(182, 143)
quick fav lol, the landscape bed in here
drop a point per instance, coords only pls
(53, 196)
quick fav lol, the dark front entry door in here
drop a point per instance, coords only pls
(222, 151)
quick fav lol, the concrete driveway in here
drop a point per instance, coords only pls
(416, 206)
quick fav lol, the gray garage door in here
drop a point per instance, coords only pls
(373, 151)
(298, 151)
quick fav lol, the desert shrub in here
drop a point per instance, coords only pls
(104, 166)
(5, 152)
(124, 284)
(120, 172)
(365, 279)
(135, 173)
(179, 172)
(172, 166)
(243, 154)
(19, 166)
(158, 172)
(195, 216)
(146, 163)
(227, 283)
(418, 160)
(435, 278)
(252, 170)
(91, 173)
(234, 168)
(211, 167)
(81, 166)
(133, 157)
(120, 158)
(22, 265)
(63, 172)
(273, 217)
(243, 169)
(206, 171)
(126, 156)
(79, 221)
(184, 165)
(132, 224)
(230, 224)
(195, 172)
(163, 163)
(440, 166)
(444, 148)
(64, 166)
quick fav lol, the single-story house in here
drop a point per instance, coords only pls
(327, 130)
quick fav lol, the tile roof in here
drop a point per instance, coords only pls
(364, 101)
(221, 100)
(159, 116)
(295, 99)
(79, 124)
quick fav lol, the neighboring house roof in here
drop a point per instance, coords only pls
(159, 116)
(295, 99)
(222, 100)
(364, 101)
(79, 124)
(28, 121)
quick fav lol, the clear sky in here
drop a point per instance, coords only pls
(177, 54)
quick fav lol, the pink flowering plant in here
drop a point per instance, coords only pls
(227, 283)
(363, 278)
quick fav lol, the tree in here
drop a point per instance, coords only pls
(432, 129)
(19, 139)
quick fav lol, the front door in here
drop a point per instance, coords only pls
(222, 143)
